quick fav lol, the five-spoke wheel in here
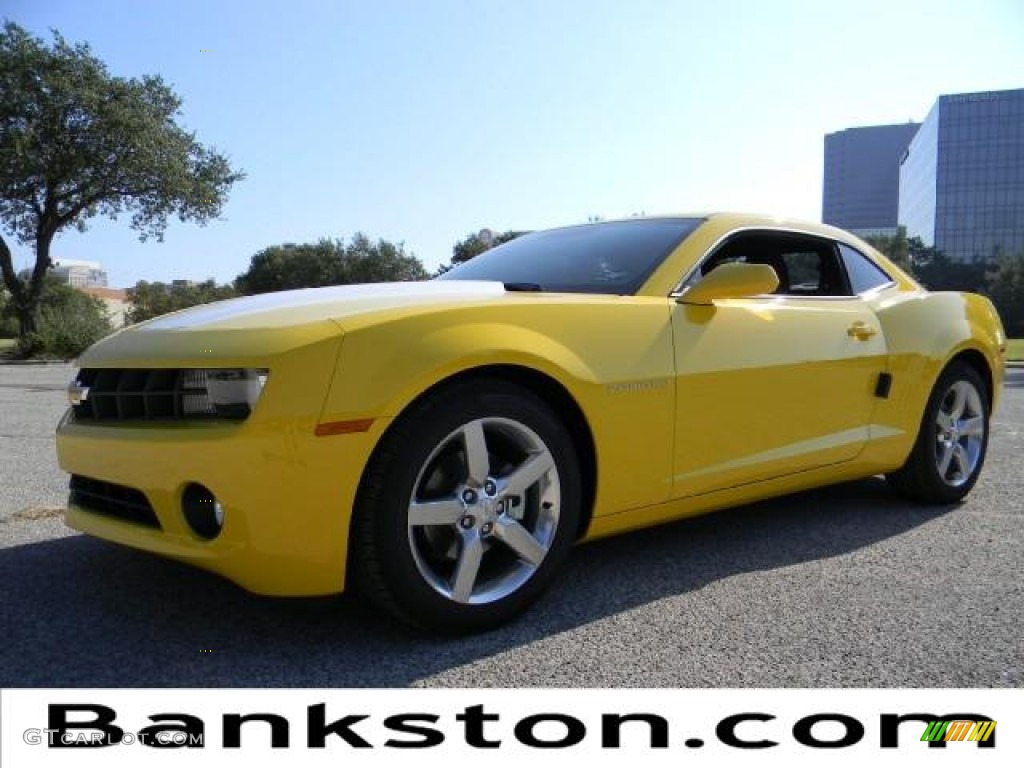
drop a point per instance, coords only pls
(960, 432)
(484, 510)
(467, 508)
(950, 448)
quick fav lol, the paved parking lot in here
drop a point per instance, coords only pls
(845, 586)
(32, 400)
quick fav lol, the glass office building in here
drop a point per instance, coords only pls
(961, 180)
(861, 189)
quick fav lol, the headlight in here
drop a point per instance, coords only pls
(230, 393)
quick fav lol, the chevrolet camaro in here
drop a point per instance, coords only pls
(439, 446)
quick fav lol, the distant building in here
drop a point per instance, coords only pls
(962, 177)
(861, 184)
(115, 300)
(79, 274)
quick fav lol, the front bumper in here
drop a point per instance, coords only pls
(287, 494)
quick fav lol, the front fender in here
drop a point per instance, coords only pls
(382, 370)
(593, 354)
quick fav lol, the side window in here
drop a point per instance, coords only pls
(805, 273)
(805, 265)
(864, 274)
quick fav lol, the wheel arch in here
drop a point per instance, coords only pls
(917, 478)
(968, 355)
(926, 332)
(977, 360)
(553, 393)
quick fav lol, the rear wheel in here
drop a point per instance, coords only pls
(467, 508)
(952, 440)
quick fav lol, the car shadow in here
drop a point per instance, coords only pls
(81, 612)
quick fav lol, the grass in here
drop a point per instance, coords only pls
(7, 347)
(1015, 349)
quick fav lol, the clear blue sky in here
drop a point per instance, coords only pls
(423, 120)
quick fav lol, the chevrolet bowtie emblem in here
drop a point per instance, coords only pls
(78, 393)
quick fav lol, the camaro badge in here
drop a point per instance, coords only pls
(643, 385)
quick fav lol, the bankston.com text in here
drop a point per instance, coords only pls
(93, 725)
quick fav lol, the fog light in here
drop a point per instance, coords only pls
(203, 513)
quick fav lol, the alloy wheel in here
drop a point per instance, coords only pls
(959, 434)
(484, 510)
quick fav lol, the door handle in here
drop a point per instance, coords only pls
(860, 331)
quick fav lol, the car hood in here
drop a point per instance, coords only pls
(309, 305)
(253, 329)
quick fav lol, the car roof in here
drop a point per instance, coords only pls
(740, 219)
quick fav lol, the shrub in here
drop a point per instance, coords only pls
(69, 321)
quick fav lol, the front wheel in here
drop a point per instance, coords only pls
(467, 508)
(951, 443)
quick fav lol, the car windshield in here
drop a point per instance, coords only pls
(608, 257)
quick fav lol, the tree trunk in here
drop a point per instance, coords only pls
(14, 286)
(28, 308)
(25, 295)
(28, 320)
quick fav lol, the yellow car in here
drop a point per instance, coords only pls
(439, 446)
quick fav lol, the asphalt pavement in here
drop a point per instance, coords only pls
(845, 586)
(32, 399)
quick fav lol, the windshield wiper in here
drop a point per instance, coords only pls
(532, 287)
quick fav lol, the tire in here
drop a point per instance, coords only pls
(952, 440)
(467, 508)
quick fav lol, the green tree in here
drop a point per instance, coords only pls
(68, 322)
(6, 329)
(930, 266)
(938, 272)
(473, 244)
(920, 254)
(149, 300)
(894, 247)
(77, 142)
(366, 261)
(328, 262)
(469, 247)
(282, 267)
(1006, 289)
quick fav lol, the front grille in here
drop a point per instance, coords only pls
(112, 500)
(149, 394)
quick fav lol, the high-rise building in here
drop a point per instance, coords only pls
(962, 177)
(861, 189)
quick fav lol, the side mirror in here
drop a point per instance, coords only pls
(732, 281)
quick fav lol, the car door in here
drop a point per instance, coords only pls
(774, 384)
